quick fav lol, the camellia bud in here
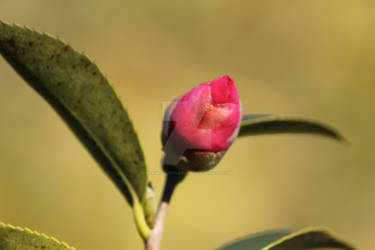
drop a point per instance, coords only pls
(201, 125)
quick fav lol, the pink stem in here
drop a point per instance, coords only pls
(153, 243)
(173, 178)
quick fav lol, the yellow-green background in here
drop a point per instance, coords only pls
(312, 58)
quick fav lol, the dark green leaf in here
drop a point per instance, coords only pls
(255, 242)
(273, 124)
(282, 240)
(74, 86)
(16, 238)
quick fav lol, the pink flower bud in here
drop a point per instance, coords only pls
(204, 121)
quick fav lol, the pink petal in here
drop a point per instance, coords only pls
(207, 117)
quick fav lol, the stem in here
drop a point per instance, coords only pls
(138, 212)
(153, 242)
(140, 221)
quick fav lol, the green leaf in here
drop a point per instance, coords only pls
(283, 240)
(79, 92)
(74, 86)
(257, 241)
(17, 238)
(273, 124)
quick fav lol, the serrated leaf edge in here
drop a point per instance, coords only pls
(33, 232)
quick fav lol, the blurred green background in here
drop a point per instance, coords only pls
(309, 58)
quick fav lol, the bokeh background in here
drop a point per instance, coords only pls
(308, 58)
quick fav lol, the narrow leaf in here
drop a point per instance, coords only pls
(304, 239)
(272, 124)
(17, 238)
(74, 86)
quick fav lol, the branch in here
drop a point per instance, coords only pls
(173, 178)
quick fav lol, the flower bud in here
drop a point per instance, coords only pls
(201, 125)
